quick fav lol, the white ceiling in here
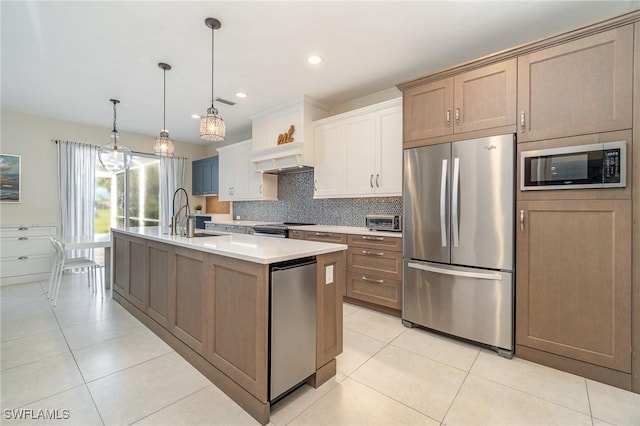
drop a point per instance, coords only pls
(65, 60)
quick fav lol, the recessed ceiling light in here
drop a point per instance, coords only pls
(241, 95)
(196, 116)
(314, 60)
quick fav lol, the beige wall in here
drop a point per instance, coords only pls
(30, 136)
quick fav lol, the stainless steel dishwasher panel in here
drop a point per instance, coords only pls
(293, 324)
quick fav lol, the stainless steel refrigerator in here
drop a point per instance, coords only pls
(458, 239)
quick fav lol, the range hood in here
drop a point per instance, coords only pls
(296, 118)
(281, 159)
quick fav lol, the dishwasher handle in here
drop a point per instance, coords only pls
(289, 264)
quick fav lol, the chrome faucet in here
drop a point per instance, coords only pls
(174, 217)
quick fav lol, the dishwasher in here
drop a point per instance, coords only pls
(292, 354)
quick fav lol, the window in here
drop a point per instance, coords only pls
(128, 198)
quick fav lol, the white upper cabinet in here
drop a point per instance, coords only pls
(239, 180)
(359, 153)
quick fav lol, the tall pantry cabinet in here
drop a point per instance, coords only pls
(577, 292)
(573, 247)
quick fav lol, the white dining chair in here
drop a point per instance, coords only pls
(63, 263)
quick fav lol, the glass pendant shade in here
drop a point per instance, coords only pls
(163, 146)
(114, 157)
(212, 126)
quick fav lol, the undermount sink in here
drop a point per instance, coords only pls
(202, 234)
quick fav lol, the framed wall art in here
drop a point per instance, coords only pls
(9, 178)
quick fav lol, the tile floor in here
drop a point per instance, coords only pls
(90, 357)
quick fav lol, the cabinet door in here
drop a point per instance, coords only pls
(580, 87)
(226, 173)
(241, 170)
(573, 282)
(328, 170)
(388, 149)
(137, 293)
(428, 110)
(207, 176)
(485, 98)
(358, 152)
(121, 264)
(160, 270)
(197, 177)
(188, 298)
(213, 166)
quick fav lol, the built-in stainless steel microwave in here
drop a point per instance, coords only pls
(601, 165)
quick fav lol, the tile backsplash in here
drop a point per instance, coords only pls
(296, 204)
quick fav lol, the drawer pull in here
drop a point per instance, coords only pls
(23, 258)
(23, 228)
(23, 238)
(365, 237)
(322, 234)
(372, 253)
(365, 278)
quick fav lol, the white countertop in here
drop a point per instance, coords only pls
(264, 250)
(356, 230)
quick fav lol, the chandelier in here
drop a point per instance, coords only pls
(163, 146)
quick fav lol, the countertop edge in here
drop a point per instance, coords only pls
(313, 248)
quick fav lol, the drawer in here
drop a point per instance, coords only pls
(375, 241)
(377, 261)
(24, 246)
(375, 289)
(297, 235)
(25, 265)
(28, 231)
(326, 237)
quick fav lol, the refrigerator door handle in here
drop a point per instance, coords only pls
(468, 274)
(454, 200)
(443, 207)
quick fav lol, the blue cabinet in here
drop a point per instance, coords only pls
(204, 176)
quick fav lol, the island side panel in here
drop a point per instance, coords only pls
(161, 272)
(331, 281)
(239, 329)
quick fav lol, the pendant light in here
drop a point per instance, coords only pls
(163, 146)
(212, 125)
(114, 157)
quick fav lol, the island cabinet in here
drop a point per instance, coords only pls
(573, 294)
(214, 310)
(475, 100)
(580, 87)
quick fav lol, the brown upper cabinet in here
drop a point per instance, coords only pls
(479, 99)
(580, 87)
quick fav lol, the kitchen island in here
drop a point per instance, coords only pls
(209, 299)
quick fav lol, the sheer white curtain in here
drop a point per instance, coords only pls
(172, 171)
(76, 186)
